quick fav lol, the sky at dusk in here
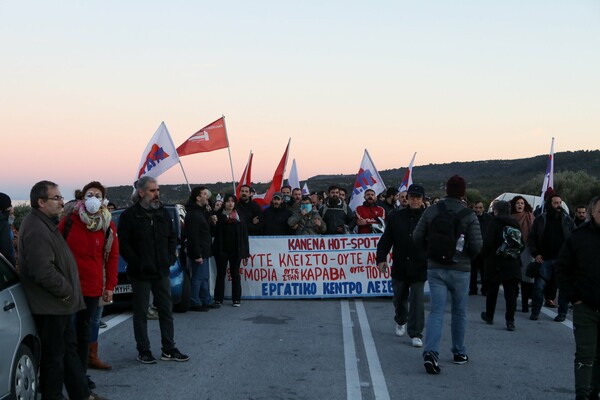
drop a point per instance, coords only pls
(85, 84)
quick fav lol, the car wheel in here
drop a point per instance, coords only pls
(186, 295)
(24, 382)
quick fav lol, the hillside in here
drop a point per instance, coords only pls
(489, 177)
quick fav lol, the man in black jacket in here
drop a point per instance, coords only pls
(578, 274)
(409, 271)
(548, 233)
(147, 241)
(276, 217)
(251, 212)
(198, 246)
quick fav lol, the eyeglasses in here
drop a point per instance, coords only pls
(55, 198)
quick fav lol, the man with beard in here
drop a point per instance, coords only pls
(580, 215)
(251, 212)
(409, 271)
(276, 217)
(148, 243)
(336, 214)
(548, 233)
(389, 204)
(369, 213)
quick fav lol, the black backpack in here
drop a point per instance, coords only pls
(512, 244)
(444, 231)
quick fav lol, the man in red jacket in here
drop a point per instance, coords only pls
(369, 215)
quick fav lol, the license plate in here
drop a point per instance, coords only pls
(120, 289)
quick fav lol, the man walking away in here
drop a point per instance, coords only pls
(450, 233)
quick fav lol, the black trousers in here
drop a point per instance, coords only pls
(586, 323)
(510, 296)
(234, 272)
(60, 364)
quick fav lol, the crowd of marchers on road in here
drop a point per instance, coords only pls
(67, 257)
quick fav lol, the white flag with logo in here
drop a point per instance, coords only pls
(367, 178)
(160, 154)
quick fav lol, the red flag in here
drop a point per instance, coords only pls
(265, 198)
(211, 137)
(246, 176)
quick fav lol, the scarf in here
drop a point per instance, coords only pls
(525, 220)
(232, 217)
(94, 222)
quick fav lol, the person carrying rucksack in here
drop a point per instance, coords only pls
(450, 233)
(502, 246)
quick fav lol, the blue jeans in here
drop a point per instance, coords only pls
(200, 282)
(547, 270)
(442, 282)
(95, 325)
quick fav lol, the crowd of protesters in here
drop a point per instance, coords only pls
(68, 263)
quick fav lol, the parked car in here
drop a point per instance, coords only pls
(179, 275)
(19, 342)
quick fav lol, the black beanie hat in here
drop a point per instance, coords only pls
(456, 187)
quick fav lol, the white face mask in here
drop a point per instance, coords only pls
(92, 204)
(11, 219)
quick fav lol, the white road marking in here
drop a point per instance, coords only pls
(377, 377)
(116, 320)
(351, 363)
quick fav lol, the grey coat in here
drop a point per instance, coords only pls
(47, 267)
(469, 224)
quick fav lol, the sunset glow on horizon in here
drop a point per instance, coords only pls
(85, 85)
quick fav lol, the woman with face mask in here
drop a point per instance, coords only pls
(92, 238)
(522, 211)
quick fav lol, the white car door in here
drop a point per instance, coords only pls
(10, 325)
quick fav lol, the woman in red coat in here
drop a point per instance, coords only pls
(92, 238)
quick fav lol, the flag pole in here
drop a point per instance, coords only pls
(229, 151)
(185, 176)
(180, 164)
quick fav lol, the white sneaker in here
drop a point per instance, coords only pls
(417, 342)
(400, 330)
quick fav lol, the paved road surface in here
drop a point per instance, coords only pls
(336, 349)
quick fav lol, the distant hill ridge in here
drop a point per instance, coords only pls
(489, 177)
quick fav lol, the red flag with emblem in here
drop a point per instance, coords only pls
(212, 137)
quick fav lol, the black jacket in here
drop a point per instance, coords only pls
(276, 221)
(578, 266)
(499, 268)
(410, 260)
(197, 233)
(248, 211)
(535, 242)
(147, 241)
(227, 234)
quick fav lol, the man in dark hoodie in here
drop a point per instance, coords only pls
(548, 233)
(578, 271)
(409, 271)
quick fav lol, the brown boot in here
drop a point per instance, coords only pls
(93, 361)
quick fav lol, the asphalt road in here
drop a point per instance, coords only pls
(336, 349)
